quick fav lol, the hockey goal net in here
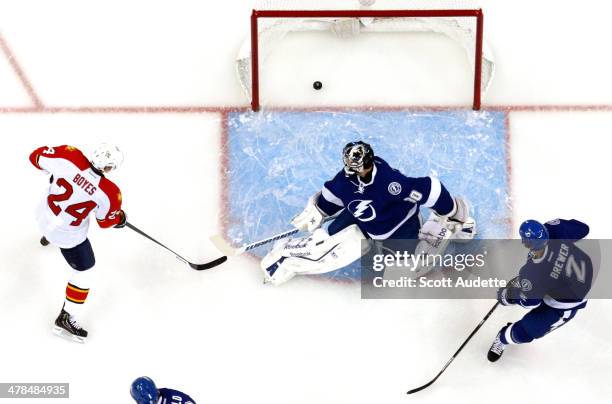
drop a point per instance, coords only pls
(272, 20)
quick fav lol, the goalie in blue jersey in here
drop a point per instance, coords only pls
(553, 283)
(367, 199)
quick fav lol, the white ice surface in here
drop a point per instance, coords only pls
(220, 335)
(13, 93)
(562, 161)
(161, 52)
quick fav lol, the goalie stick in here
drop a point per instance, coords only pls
(197, 267)
(219, 241)
(456, 353)
(227, 249)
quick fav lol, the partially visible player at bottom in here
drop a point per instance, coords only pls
(78, 188)
(144, 391)
(553, 283)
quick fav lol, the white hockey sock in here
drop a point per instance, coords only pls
(507, 337)
(77, 291)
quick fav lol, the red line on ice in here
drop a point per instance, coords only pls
(223, 174)
(509, 184)
(147, 109)
(25, 82)
(198, 109)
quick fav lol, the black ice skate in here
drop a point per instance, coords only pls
(67, 327)
(497, 349)
(44, 242)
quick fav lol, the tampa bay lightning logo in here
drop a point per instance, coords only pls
(362, 210)
(394, 188)
(526, 285)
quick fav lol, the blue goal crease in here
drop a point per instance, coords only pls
(277, 160)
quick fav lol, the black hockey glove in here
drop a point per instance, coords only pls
(122, 220)
(510, 294)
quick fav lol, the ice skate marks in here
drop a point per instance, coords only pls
(277, 160)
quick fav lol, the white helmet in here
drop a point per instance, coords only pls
(106, 157)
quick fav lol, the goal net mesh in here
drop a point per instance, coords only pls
(271, 31)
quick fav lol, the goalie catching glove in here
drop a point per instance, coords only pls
(456, 226)
(438, 231)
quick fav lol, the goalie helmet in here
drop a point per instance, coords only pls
(533, 234)
(144, 391)
(106, 157)
(357, 156)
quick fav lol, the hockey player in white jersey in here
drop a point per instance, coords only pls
(367, 199)
(78, 187)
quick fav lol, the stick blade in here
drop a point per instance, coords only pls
(416, 390)
(208, 265)
(423, 387)
(223, 245)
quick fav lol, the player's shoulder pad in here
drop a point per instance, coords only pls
(337, 182)
(35, 155)
(567, 229)
(340, 175)
(111, 190)
(381, 164)
(67, 152)
(385, 170)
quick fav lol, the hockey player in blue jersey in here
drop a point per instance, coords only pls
(553, 283)
(144, 391)
(367, 199)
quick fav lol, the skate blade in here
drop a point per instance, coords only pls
(60, 332)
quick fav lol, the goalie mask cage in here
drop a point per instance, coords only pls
(459, 20)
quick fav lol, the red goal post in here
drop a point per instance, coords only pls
(477, 14)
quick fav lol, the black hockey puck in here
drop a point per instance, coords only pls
(317, 85)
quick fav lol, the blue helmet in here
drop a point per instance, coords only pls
(533, 234)
(144, 391)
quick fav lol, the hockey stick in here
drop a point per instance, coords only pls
(456, 353)
(227, 249)
(197, 267)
